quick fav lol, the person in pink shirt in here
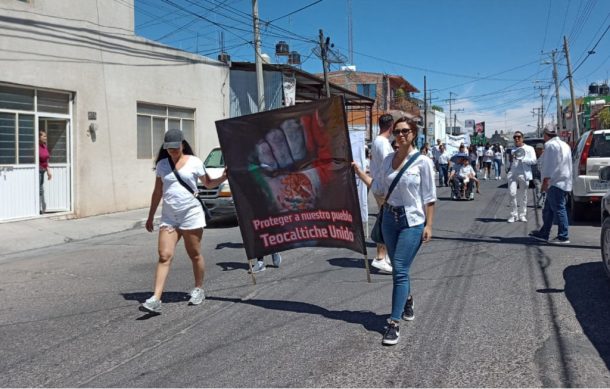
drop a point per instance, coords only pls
(43, 166)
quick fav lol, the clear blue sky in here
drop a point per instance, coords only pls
(489, 53)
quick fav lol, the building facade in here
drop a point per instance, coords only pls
(390, 92)
(105, 96)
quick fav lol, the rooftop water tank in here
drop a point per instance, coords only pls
(593, 89)
(294, 58)
(224, 57)
(281, 49)
(604, 90)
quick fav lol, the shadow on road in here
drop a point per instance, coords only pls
(587, 288)
(490, 220)
(522, 240)
(229, 245)
(168, 297)
(369, 320)
(354, 263)
(229, 266)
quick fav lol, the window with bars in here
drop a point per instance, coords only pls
(155, 120)
(17, 126)
(17, 139)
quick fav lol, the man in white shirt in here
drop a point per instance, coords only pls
(380, 149)
(519, 176)
(443, 166)
(436, 153)
(557, 183)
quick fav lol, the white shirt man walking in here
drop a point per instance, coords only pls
(523, 157)
(381, 147)
(556, 177)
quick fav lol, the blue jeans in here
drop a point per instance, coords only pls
(443, 174)
(498, 167)
(555, 209)
(402, 243)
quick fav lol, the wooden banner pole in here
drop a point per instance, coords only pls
(251, 272)
(366, 266)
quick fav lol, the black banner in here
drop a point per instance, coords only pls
(291, 179)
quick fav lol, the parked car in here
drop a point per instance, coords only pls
(592, 152)
(219, 200)
(533, 141)
(604, 176)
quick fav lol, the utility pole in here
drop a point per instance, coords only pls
(536, 111)
(576, 131)
(324, 45)
(425, 110)
(541, 111)
(450, 111)
(260, 84)
(556, 79)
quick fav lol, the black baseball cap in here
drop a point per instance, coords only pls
(173, 139)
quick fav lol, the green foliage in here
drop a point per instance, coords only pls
(437, 108)
(604, 118)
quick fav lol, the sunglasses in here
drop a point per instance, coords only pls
(403, 131)
(517, 137)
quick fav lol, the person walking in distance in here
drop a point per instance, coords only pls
(523, 156)
(182, 214)
(557, 183)
(380, 149)
(407, 217)
(443, 166)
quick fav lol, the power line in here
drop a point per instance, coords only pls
(293, 12)
(592, 51)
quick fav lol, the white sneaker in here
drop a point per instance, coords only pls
(382, 265)
(151, 305)
(523, 219)
(259, 267)
(197, 296)
(511, 219)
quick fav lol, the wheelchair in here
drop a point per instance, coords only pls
(462, 189)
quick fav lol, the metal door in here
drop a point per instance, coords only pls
(58, 191)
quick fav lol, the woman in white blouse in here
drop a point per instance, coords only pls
(407, 218)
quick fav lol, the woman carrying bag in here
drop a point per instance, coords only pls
(407, 216)
(178, 171)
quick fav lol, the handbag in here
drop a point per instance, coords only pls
(206, 211)
(376, 234)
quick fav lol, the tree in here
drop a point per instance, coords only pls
(437, 108)
(604, 118)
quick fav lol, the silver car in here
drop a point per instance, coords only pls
(592, 152)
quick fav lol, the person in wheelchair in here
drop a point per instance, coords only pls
(462, 179)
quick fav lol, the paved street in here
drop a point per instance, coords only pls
(492, 308)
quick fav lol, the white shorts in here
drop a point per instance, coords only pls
(188, 219)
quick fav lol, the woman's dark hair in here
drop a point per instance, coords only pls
(186, 149)
(412, 125)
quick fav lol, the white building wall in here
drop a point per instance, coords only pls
(436, 127)
(109, 70)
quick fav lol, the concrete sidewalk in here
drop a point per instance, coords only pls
(37, 233)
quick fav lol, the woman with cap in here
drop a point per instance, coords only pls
(182, 214)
